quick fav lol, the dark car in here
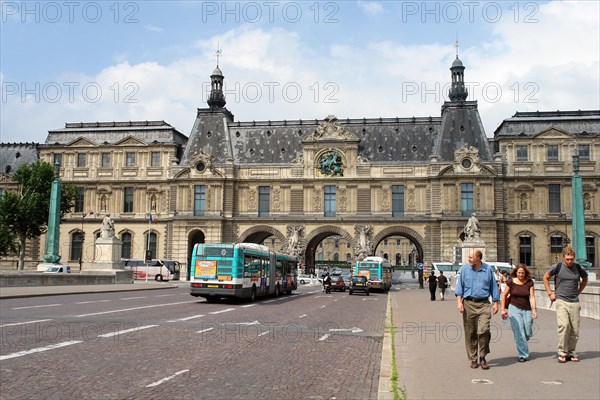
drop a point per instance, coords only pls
(337, 283)
(359, 284)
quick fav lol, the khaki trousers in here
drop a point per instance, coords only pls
(567, 318)
(476, 320)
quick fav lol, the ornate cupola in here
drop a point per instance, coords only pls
(458, 91)
(216, 99)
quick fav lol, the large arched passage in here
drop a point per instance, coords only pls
(412, 235)
(194, 237)
(258, 234)
(314, 238)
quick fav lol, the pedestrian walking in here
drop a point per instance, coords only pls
(570, 280)
(517, 303)
(474, 286)
(420, 272)
(432, 281)
(442, 284)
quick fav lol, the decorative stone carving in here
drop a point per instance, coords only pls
(108, 228)
(343, 200)
(364, 234)
(411, 199)
(294, 235)
(317, 199)
(472, 228)
(385, 199)
(276, 200)
(252, 200)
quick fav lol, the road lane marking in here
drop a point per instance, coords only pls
(270, 301)
(116, 333)
(222, 311)
(43, 305)
(136, 308)
(482, 381)
(323, 306)
(187, 318)
(168, 378)
(24, 323)
(39, 349)
(264, 333)
(248, 323)
(248, 305)
(164, 295)
(92, 301)
(325, 336)
(302, 316)
(134, 298)
(552, 382)
(205, 330)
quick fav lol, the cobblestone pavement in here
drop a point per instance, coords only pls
(167, 344)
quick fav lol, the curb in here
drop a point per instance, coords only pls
(385, 390)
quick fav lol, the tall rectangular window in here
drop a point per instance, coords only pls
(264, 201)
(81, 160)
(556, 246)
(151, 244)
(397, 200)
(126, 248)
(590, 249)
(155, 159)
(554, 198)
(58, 159)
(130, 159)
(552, 152)
(330, 206)
(584, 152)
(128, 199)
(80, 199)
(466, 198)
(522, 153)
(525, 250)
(76, 246)
(199, 199)
(105, 160)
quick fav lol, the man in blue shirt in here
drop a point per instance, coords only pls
(475, 284)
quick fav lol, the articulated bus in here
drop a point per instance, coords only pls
(378, 271)
(240, 270)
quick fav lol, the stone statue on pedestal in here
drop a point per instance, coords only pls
(472, 228)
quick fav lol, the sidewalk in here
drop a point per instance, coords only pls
(35, 291)
(432, 362)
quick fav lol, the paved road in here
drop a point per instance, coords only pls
(167, 344)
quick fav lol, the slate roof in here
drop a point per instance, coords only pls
(149, 132)
(13, 155)
(579, 123)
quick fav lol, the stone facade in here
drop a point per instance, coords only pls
(293, 184)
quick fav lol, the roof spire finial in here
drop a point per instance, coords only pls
(456, 44)
(218, 52)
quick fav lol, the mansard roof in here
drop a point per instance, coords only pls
(13, 155)
(579, 123)
(149, 132)
(280, 142)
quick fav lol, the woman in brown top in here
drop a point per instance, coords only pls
(519, 297)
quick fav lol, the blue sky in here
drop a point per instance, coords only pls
(151, 60)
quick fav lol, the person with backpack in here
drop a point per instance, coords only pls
(570, 280)
(442, 284)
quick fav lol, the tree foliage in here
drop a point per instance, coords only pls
(24, 212)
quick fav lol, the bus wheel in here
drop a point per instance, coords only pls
(253, 294)
(158, 278)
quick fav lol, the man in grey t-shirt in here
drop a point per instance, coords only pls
(571, 279)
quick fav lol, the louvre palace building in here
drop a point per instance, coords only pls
(327, 188)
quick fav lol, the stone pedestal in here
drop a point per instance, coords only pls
(108, 255)
(469, 245)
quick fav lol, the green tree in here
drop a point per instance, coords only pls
(24, 212)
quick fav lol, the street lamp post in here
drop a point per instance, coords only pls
(90, 212)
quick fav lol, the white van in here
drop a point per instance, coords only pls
(447, 267)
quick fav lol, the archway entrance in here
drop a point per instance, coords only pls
(195, 238)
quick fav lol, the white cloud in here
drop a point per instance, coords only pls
(371, 8)
(273, 74)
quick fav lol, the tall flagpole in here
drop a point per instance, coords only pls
(148, 245)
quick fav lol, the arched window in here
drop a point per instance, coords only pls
(126, 249)
(348, 257)
(336, 257)
(76, 246)
(525, 249)
(556, 246)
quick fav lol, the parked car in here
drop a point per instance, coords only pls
(303, 279)
(359, 284)
(59, 269)
(337, 283)
(347, 280)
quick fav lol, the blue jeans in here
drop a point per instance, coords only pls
(521, 323)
